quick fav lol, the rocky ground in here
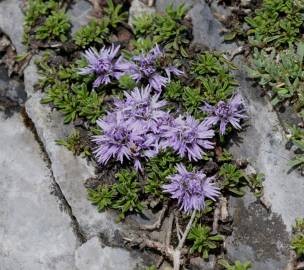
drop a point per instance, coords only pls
(46, 222)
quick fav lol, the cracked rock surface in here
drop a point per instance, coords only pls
(35, 234)
(46, 221)
(39, 230)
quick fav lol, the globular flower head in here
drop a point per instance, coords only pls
(142, 108)
(120, 140)
(191, 189)
(188, 137)
(146, 68)
(224, 113)
(104, 65)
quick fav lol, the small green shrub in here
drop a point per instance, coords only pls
(74, 144)
(213, 70)
(34, 11)
(122, 196)
(167, 29)
(277, 23)
(192, 101)
(55, 27)
(255, 182)
(158, 169)
(75, 101)
(297, 244)
(115, 14)
(232, 179)
(94, 32)
(102, 197)
(297, 241)
(237, 266)
(202, 240)
(282, 73)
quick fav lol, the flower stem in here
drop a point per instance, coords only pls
(176, 254)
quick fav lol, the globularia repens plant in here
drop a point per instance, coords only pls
(155, 114)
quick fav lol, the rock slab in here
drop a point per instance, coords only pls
(34, 233)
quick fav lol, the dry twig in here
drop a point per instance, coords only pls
(166, 249)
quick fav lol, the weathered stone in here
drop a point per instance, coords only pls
(263, 144)
(207, 30)
(162, 4)
(34, 233)
(94, 257)
(138, 8)
(79, 14)
(11, 22)
(69, 171)
(198, 263)
(258, 236)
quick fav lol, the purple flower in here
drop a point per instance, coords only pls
(191, 189)
(121, 140)
(104, 65)
(224, 113)
(146, 68)
(142, 108)
(188, 137)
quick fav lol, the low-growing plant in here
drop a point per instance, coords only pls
(297, 138)
(55, 27)
(103, 197)
(237, 266)
(74, 143)
(122, 195)
(34, 11)
(174, 91)
(255, 182)
(158, 169)
(166, 29)
(75, 101)
(297, 244)
(126, 82)
(214, 72)
(115, 14)
(192, 101)
(277, 23)
(94, 32)
(202, 240)
(232, 179)
(297, 241)
(282, 73)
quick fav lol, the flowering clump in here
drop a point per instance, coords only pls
(191, 189)
(224, 113)
(142, 109)
(121, 140)
(147, 68)
(188, 137)
(104, 65)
